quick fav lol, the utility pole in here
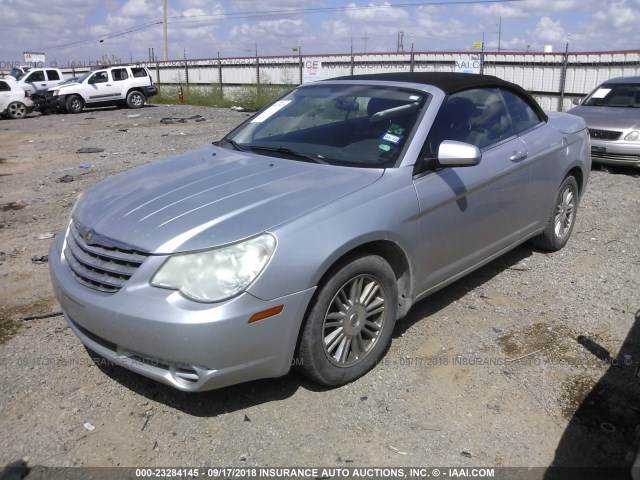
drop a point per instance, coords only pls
(164, 29)
(365, 38)
(400, 46)
(499, 33)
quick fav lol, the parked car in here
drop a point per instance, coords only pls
(612, 113)
(14, 101)
(33, 79)
(117, 85)
(305, 233)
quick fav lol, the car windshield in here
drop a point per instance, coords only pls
(82, 78)
(615, 95)
(17, 73)
(352, 125)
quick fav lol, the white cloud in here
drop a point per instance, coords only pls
(620, 15)
(380, 13)
(549, 31)
(140, 8)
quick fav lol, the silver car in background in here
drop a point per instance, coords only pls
(304, 234)
(612, 113)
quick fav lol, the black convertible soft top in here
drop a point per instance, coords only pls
(448, 82)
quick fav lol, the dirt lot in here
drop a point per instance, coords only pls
(526, 362)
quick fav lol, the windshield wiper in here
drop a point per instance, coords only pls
(288, 151)
(233, 143)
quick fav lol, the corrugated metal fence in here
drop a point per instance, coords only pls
(555, 79)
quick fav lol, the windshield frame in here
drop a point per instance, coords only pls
(348, 97)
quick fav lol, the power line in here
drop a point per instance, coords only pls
(349, 8)
(106, 37)
(271, 13)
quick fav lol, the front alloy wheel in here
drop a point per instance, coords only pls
(354, 320)
(350, 322)
(74, 104)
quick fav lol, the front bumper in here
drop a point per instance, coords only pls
(163, 336)
(45, 102)
(615, 153)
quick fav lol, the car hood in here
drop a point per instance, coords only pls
(210, 197)
(63, 87)
(609, 118)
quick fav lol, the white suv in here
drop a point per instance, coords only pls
(127, 85)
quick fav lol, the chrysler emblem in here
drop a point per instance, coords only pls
(88, 237)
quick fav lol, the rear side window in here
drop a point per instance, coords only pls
(53, 75)
(4, 87)
(119, 74)
(522, 115)
(139, 71)
(477, 116)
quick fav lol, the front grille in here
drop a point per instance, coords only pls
(101, 267)
(615, 158)
(604, 134)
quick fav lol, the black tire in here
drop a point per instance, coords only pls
(16, 110)
(349, 325)
(135, 99)
(562, 217)
(74, 104)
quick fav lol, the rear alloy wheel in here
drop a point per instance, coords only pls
(135, 99)
(74, 104)
(562, 217)
(350, 323)
(16, 110)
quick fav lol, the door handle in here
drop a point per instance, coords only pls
(518, 155)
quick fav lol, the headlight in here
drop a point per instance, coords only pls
(217, 274)
(632, 137)
(56, 93)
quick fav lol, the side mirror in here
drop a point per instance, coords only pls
(458, 154)
(576, 101)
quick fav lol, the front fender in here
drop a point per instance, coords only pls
(311, 244)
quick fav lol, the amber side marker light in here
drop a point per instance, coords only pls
(266, 313)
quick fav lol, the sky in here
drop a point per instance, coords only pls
(83, 31)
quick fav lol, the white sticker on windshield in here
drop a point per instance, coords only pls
(601, 93)
(270, 111)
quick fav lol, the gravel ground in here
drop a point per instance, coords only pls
(527, 362)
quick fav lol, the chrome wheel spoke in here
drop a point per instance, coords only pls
(358, 347)
(368, 294)
(336, 338)
(372, 326)
(330, 339)
(355, 292)
(344, 350)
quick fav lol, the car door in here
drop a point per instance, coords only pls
(546, 148)
(102, 88)
(469, 214)
(35, 80)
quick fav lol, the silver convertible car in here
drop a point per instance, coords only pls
(305, 233)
